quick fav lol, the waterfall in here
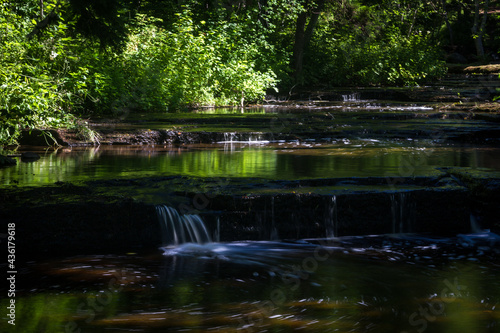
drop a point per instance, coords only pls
(331, 220)
(403, 212)
(274, 231)
(217, 230)
(475, 226)
(351, 97)
(229, 137)
(178, 229)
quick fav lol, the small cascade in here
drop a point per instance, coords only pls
(403, 212)
(230, 137)
(229, 140)
(475, 226)
(331, 220)
(217, 230)
(274, 231)
(178, 229)
(353, 97)
(256, 138)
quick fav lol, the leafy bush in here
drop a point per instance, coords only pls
(47, 80)
(396, 60)
(379, 44)
(162, 70)
(29, 95)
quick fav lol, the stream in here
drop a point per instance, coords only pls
(304, 227)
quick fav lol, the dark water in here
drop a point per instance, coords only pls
(346, 158)
(370, 284)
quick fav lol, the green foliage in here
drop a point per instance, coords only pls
(187, 66)
(35, 88)
(121, 56)
(29, 95)
(396, 61)
(364, 46)
(65, 70)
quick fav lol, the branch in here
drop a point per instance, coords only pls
(43, 23)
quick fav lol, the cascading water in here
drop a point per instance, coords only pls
(351, 97)
(403, 212)
(178, 229)
(331, 220)
(274, 231)
(217, 231)
(229, 137)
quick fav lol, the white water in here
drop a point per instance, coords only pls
(403, 212)
(186, 234)
(331, 220)
(179, 229)
(354, 97)
(253, 138)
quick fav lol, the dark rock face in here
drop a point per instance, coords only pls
(310, 216)
(93, 226)
(78, 228)
(6, 161)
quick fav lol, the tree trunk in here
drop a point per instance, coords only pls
(447, 21)
(299, 45)
(303, 37)
(41, 10)
(478, 30)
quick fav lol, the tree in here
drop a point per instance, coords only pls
(306, 22)
(105, 21)
(478, 29)
(447, 21)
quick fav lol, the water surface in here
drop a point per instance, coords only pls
(275, 160)
(372, 284)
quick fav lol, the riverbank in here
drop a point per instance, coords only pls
(462, 122)
(474, 69)
(465, 98)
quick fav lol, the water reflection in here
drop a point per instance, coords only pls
(374, 284)
(277, 160)
(349, 103)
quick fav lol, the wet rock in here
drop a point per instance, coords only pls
(448, 182)
(6, 161)
(29, 157)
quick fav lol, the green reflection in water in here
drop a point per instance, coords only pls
(252, 110)
(346, 294)
(240, 160)
(45, 312)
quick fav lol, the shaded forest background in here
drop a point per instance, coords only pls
(61, 60)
